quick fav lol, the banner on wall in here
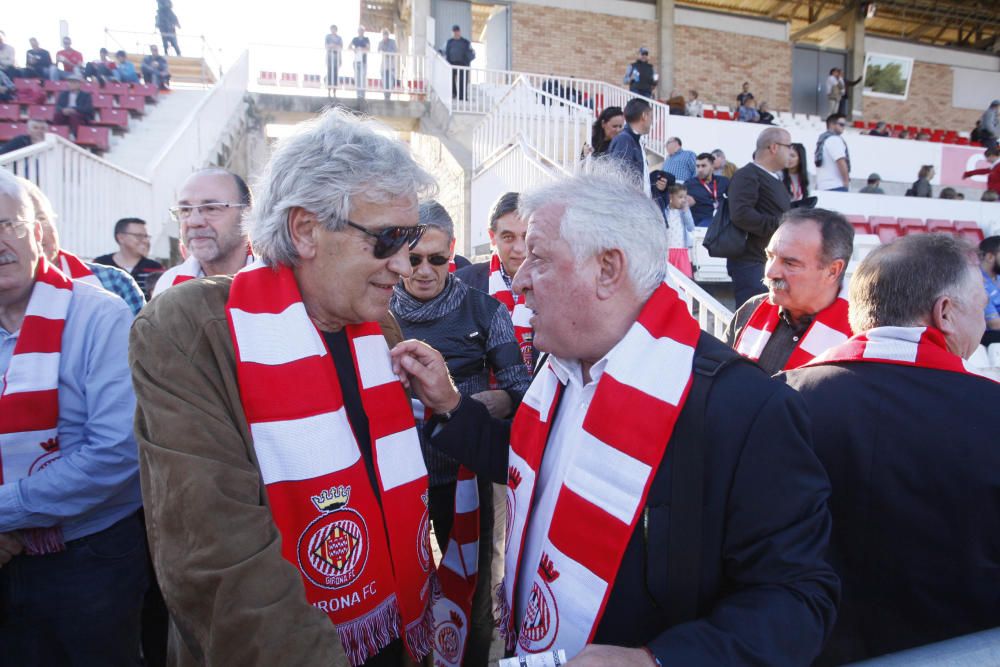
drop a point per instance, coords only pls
(887, 76)
(956, 160)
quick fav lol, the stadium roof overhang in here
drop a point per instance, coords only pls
(970, 24)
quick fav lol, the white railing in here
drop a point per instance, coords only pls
(303, 70)
(439, 77)
(712, 316)
(552, 126)
(191, 146)
(87, 192)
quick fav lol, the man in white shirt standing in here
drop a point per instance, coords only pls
(211, 206)
(833, 160)
(834, 89)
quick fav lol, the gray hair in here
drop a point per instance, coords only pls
(606, 208)
(837, 233)
(326, 165)
(898, 284)
(14, 187)
(435, 215)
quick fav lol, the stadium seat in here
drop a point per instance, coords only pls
(911, 226)
(94, 137)
(723, 115)
(970, 230)
(938, 225)
(56, 86)
(136, 104)
(146, 90)
(10, 130)
(860, 224)
(113, 118)
(312, 81)
(290, 79)
(44, 112)
(887, 228)
(103, 101)
(709, 113)
(115, 88)
(859, 124)
(962, 141)
(61, 130)
(10, 112)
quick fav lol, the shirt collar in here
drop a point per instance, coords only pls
(797, 327)
(774, 174)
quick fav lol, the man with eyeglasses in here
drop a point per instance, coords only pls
(72, 548)
(133, 244)
(210, 209)
(283, 480)
(833, 159)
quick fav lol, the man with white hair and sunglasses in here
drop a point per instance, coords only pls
(665, 506)
(73, 566)
(211, 207)
(283, 480)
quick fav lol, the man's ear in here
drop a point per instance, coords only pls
(943, 315)
(303, 228)
(612, 272)
(836, 269)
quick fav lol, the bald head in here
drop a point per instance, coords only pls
(773, 148)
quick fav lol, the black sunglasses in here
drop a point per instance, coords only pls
(389, 240)
(433, 260)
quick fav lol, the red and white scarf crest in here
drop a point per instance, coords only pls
(923, 347)
(631, 418)
(828, 329)
(73, 266)
(29, 401)
(519, 312)
(369, 568)
(458, 570)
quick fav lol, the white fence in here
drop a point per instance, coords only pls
(87, 192)
(551, 126)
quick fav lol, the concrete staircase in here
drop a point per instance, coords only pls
(183, 70)
(135, 150)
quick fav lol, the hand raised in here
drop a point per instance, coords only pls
(423, 370)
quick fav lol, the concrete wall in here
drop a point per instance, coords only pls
(453, 183)
(929, 103)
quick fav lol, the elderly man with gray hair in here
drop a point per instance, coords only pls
(908, 437)
(665, 506)
(282, 474)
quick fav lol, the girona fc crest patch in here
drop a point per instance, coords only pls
(541, 619)
(333, 549)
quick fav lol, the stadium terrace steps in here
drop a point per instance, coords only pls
(135, 151)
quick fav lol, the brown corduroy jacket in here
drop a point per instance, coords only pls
(233, 599)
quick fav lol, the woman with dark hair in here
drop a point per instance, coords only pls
(475, 334)
(922, 186)
(796, 176)
(605, 128)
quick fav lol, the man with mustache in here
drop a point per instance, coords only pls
(804, 312)
(72, 550)
(210, 209)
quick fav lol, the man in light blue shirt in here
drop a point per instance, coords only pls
(679, 162)
(83, 602)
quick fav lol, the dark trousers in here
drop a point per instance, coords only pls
(79, 607)
(74, 120)
(747, 279)
(460, 84)
(169, 39)
(441, 505)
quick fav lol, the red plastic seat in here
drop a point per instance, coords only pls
(723, 115)
(93, 137)
(938, 225)
(709, 113)
(10, 112)
(103, 101)
(860, 224)
(886, 227)
(61, 130)
(859, 124)
(909, 223)
(115, 88)
(44, 112)
(136, 104)
(113, 118)
(970, 230)
(56, 86)
(147, 90)
(962, 141)
(10, 130)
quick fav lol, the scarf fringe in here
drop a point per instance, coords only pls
(502, 614)
(365, 636)
(42, 541)
(419, 634)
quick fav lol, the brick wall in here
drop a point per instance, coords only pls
(928, 103)
(717, 63)
(549, 40)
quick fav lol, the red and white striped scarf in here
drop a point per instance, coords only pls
(368, 568)
(458, 570)
(631, 418)
(519, 312)
(189, 269)
(923, 347)
(29, 402)
(828, 329)
(74, 267)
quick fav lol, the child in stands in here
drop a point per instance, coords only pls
(680, 229)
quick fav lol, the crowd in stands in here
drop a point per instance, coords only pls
(820, 484)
